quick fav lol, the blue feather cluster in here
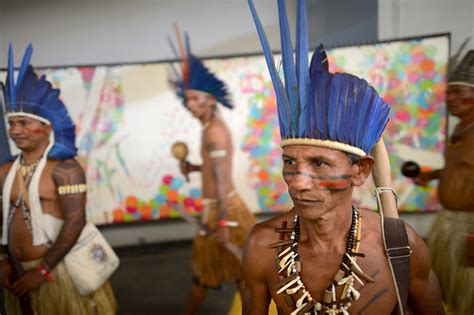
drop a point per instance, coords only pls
(36, 96)
(197, 77)
(316, 104)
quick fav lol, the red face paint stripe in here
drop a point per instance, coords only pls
(468, 101)
(38, 131)
(338, 184)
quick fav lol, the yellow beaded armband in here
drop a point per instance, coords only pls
(72, 189)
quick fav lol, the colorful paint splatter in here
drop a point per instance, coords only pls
(261, 142)
(162, 205)
(411, 78)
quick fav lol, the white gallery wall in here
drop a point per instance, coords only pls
(401, 18)
(106, 31)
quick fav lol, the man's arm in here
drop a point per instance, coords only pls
(425, 177)
(5, 264)
(256, 298)
(69, 182)
(424, 295)
(217, 148)
(69, 179)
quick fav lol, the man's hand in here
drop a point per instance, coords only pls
(222, 235)
(29, 282)
(423, 178)
(185, 167)
(6, 270)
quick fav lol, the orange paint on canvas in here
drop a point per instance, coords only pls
(427, 65)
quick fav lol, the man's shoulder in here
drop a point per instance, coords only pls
(217, 128)
(263, 234)
(259, 257)
(4, 169)
(371, 220)
(371, 223)
(66, 170)
(6, 165)
(67, 163)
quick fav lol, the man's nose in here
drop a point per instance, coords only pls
(301, 181)
(14, 130)
(449, 97)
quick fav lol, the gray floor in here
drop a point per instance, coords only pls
(156, 280)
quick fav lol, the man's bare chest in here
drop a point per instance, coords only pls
(317, 275)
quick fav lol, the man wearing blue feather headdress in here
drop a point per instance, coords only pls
(332, 258)
(451, 240)
(226, 220)
(43, 202)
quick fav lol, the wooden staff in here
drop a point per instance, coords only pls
(382, 178)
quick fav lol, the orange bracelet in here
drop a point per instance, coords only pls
(45, 273)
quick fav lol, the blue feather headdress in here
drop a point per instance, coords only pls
(338, 111)
(195, 76)
(35, 98)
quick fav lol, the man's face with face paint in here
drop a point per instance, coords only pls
(200, 104)
(460, 100)
(319, 179)
(28, 134)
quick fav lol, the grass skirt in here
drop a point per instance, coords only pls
(447, 243)
(61, 296)
(213, 264)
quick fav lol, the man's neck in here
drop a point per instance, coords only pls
(30, 157)
(466, 119)
(205, 121)
(328, 230)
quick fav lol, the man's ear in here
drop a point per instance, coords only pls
(211, 100)
(48, 129)
(363, 169)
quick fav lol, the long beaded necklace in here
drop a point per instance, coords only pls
(27, 171)
(349, 271)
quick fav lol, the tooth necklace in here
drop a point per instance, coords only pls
(291, 283)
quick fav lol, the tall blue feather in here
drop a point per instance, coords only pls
(187, 44)
(24, 65)
(291, 84)
(173, 48)
(284, 113)
(302, 72)
(319, 93)
(337, 107)
(11, 78)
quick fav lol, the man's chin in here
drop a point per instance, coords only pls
(307, 212)
(23, 147)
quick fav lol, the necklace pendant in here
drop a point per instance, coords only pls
(327, 296)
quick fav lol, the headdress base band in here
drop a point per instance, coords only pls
(19, 114)
(461, 83)
(323, 143)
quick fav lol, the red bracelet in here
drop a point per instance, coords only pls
(226, 223)
(45, 273)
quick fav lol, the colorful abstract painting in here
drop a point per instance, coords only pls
(128, 118)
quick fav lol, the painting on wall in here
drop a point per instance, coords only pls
(128, 118)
